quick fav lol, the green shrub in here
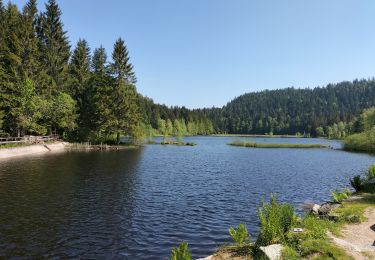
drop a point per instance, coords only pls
(338, 196)
(371, 172)
(356, 182)
(275, 221)
(181, 252)
(290, 254)
(364, 141)
(239, 236)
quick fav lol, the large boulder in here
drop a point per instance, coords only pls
(273, 252)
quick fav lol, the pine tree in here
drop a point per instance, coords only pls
(79, 72)
(122, 69)
(100, 91)
(54, 44)
(29, 42)
(10, 63)
(126, 114)
(99, 62)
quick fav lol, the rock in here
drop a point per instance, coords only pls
(273, 252)
(206, 258)
(327, 207)
(334, 217)
(315, 209)
(297, 230)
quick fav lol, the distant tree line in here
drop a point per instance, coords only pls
(323, 111)
(47, 88)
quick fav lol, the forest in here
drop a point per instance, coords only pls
(49, 87)
(322, 111)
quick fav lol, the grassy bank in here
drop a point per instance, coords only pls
(177, 143)
(268, 145)
(258, 135)
(361, 142)
(88, 146)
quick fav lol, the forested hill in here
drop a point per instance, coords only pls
(290, 110)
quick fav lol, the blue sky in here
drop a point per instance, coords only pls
(203, 53)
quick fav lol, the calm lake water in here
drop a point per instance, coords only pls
(137, 204)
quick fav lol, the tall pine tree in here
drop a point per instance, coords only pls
(126, 114)
(29, 41)
(79, 72)
(54, 45)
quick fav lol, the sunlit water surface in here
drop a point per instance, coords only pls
(137, 204)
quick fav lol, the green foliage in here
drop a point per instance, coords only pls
(240, 235)
(275, 221)
(268, 145)
(364, 142)
(356, 183)
(290, 110)
(353, 211)
(367, 119)
(181, 252)
(371, 172)
(290, 254)
(338, 196)
(323, 248)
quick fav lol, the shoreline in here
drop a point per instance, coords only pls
(19, 151)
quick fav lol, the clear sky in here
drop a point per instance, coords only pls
(203, 53)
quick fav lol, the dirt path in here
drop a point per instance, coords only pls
(359, 239)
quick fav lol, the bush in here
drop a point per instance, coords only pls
(338, 196)
(364, 142)
(181, 252)
(239, 236)
(371, 172)
(275, 221)
(356, 183)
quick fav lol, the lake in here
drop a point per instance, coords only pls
(138, 203)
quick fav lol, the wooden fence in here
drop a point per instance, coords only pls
(29, 139)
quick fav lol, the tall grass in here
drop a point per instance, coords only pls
(275, 221)
(181, 252)
(268, 145)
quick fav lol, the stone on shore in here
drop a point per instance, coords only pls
(273, 252)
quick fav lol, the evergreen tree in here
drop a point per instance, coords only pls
(10, 67)
(54, 45)
(125, 112)
(79, 70)
(29, 42)
(122, 69)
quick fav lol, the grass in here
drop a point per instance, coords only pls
(353, 211)
(87, 146)
(178, 143)
(257, 135)
(2, 146)
(268, 145)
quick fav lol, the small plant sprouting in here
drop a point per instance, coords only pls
(181, 252)
(239, 236)
(356, 183)
(339, 197)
